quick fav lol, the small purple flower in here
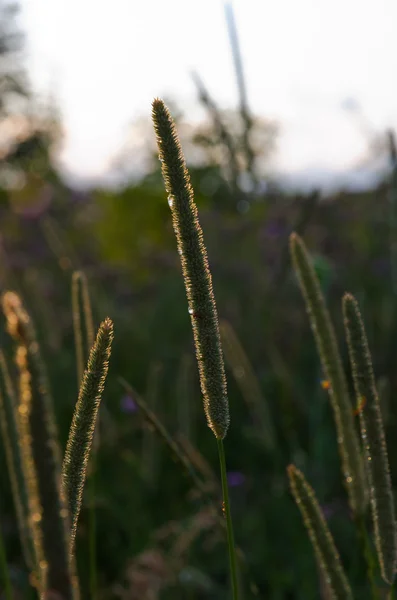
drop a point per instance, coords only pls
(127, 404)
(274, 228)
(328, 510)
(235, 478)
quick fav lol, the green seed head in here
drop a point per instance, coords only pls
(196, 272)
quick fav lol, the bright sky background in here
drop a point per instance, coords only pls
(302, 60)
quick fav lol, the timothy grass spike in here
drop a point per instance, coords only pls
(84, 337)
(326, 553)
(196, 272)
(12, 434)
(81, 307)
(83, 423)
(372, 433)
(323, 330)
(200, 295)
(49, 516)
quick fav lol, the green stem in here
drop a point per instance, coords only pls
(364, 542)
(4, 570)
(229, 524)
(92, 538)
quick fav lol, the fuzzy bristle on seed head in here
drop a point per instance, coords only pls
(326, 553)
(41, 456)
(82, 429)
(331, 362)
(15, 314)
(196, 272)
(374, 441)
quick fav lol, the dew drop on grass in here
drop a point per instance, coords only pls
(190, 311)
(170, 201)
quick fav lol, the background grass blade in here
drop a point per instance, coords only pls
(372, 433)
(248, 383)
(327, 555)
(49, 516)
(84, 337)
(151, 457)
(83, 324)
(11, 433)
(324, 334)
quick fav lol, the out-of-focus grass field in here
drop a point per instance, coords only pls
(156, 536)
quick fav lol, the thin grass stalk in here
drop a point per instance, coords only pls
(49, 516)
(59, 244)
(182, 457)
(198, 461)
(5, 572)
(229, 523)
(221, 129)
(247, 381)
(150, 451)
(159, 428)
(324, 334)
(42, 308)
(307, 211)
(374, 441)
(198, 283)
(83, 423)
(364, 542)
(11, 433)
(245, 112)
(326, 553)
(82, 311)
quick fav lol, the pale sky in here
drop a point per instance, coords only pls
(302, 60)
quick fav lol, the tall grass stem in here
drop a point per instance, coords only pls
(229, 522)
(5, 573)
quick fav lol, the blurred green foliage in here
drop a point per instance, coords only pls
(160, 539)
(124, 242)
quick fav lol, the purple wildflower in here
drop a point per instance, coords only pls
(235, 478)
(274, 228)
(128, 404)
(329, 510)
